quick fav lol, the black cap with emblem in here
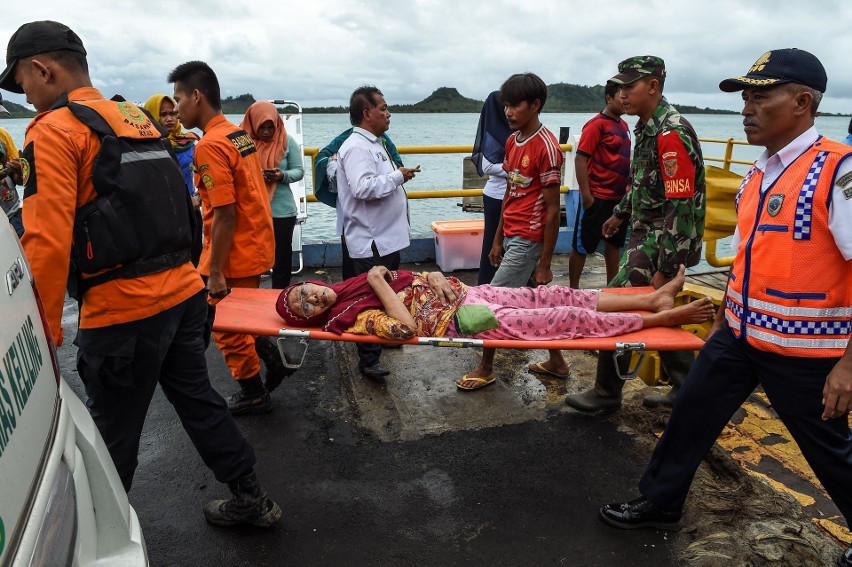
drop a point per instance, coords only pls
(781, 66)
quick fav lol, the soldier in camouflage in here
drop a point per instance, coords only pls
(665, 205)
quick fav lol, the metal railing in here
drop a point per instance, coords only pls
(726, 161)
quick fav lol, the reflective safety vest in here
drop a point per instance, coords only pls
(790, 289)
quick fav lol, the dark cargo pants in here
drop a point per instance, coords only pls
(120, 367)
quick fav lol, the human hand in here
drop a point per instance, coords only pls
(542, 275)
(379, 273)
(588, 200)
(496, 255)
(837, 392)
(611, 226)
(273, 175)
(441, 287)
(13, 170)
(217, 286)
(408, 172)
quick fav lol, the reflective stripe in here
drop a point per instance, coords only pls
(805, 202)
(785, 311)
(144, 156)
(799, 327)
(808, 343)
(733, 322)
(736, 296)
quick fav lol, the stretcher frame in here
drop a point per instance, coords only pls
(252, 312)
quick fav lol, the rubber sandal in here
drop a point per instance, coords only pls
(481, 382)
(539, 368)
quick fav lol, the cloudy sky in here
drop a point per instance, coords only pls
(316, 52)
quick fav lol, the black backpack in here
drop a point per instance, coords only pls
(141, 221)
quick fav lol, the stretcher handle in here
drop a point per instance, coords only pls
(628, 349)
(292, 351)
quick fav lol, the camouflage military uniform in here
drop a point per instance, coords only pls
(666, 231)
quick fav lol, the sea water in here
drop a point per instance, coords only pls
(444, 171)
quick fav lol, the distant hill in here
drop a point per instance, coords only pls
(444, 99)
(17, 111)
(561, 97)
(237, 104)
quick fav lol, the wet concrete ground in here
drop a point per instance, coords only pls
(409, 473)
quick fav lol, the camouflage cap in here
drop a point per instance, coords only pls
(781, 66)
(634, 68)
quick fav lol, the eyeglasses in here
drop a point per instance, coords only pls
(307, 308)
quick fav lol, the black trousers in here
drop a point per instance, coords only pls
(725, 373)
(368, 353)
(197, 239)
(492, 209)
(283, 267)
(121, 365)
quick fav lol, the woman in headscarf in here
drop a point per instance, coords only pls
(399, 305)
(164, 110)
(281, 160)
(489, 151)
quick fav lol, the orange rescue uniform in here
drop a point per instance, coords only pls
(57, 162)
(228, 172)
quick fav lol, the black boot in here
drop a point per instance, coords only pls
(267, 350)
(676, 364)
(249, 505)
(606, 393)
(252, 397)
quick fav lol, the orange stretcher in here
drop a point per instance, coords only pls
(252, 312)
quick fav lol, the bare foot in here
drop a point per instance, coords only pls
(691, 313)
(664, 296)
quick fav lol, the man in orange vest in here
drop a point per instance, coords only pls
(787, 317)
(137, 329)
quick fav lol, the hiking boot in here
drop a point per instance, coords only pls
(267, 350)
(591, 401)
(660, 399)
(248, 505)
(605, 395)
(676, 364)
(252, 397)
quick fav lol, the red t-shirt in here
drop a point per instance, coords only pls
(532, 164)
(606, 141)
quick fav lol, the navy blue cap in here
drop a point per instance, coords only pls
(781, 66)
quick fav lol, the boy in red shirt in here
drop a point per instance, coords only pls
(526, 235)
(602, 164)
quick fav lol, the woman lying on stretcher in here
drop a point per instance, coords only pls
(399, 305)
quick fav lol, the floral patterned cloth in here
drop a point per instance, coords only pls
(537, 314)
(431, 315)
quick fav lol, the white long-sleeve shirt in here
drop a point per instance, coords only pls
(371, 201)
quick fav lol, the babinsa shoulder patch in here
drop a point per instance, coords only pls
(242, 142)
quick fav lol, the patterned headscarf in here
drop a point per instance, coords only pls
(180, 140)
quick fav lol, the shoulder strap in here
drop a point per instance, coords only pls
(90, 117)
